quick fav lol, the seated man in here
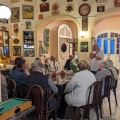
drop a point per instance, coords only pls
(53, 65)
(67, 64)
(43, 80)
(114, 72)
(19, 74)
(103, 67)
(4, 88)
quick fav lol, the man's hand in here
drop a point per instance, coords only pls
(91, 55)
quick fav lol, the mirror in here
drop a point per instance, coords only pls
(4, 43)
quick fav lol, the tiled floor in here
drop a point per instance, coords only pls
(106, 114)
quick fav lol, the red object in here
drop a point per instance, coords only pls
(53, 74)
(62, 72)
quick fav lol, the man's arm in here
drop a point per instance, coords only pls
(98, 58)
(52, 85)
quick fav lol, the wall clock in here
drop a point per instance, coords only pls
(84, 9)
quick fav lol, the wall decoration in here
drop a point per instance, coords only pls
(3, 28)
(16, 41)
(15, 14)
(29, 52)
(116, 3)
(69, 8)
(28, 24)
(44, 7)
(84, 0)
(84, 9)
(40, 17)
(100, 1)
(13, 1)
(55, 9)
(69, 0)
(15, 28)
(28, 0)
(2, 22)
(46, 40)
(16, 50)
(84, 24)
(100, 8)
(63, 47)
(84, 47)
(43, 0)
(6, 50)
(1, 50)
(28, 11)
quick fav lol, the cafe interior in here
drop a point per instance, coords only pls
(38, 32)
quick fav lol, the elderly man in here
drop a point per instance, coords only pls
(40, 79)
(95, 56)
(103, 67)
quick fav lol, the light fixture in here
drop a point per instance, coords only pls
(82, 34)
(5, 13)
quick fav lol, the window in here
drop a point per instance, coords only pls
(112, 47)
(99, 42)
(105, 46)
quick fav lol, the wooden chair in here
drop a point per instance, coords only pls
(48, 95)
(11, 87)
(36, 95)
(95, 90)
(106, 81)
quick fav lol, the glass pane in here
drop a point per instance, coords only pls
(101, 35)
(112, 46)
(98, 36)
(117, 45)
(105, 35)
(111, 34)
(105, 46)
(117, 51)
(99, 42)
(116, 34)
(118, 40)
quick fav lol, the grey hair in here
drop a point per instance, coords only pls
(83, 65)
(37, 65)
(110, 62)
(104, 63)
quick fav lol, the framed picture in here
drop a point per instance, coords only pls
(16, 50)
(28, 0)
(84, 24)
(13, 1)
(6, 50)
(84, 47)
(44, 7)
(100, 8)
(29, 52)
(28, 11)
(100, 1)
(69, 0)
(28, 24)
(1, 50)
(15, 15)
(15, 28)
(116, 3)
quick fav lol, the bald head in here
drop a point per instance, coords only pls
(95, 47)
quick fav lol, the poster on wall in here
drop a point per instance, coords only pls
(28, 11)
(28, 24)
(84, 24)
(29, 52)
(13, 1)
(16, 50)
(116, 3)
(15, 28)
(100, 1)
(44, 7)
(84, 47)
(46, 40)
(15, 14)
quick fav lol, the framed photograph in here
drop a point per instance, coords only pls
(15, 28)
(100, 1)
(6, 50)
(29, 52)
(28, 24)
(16, 50)
(28, 11)
(44, 7)
(1, 50)
(40, 17)
(84, 24)
(116, 3)
(28, 0)
(100, 8)
(15, 14)
(13, 1)
(69, 0)
(84, 47)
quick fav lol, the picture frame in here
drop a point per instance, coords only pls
(116, 3)
(14, 1)
(16, 50)
(44, 7)
(100, 1)
(100, 8)
(28, 24)
(6, 50)
(15, 14)
(28, 11)
(84, 47)
(84, 23)
(15, 28)
(69, 0)
(29, 52)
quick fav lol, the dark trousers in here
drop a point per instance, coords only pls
(94, 72)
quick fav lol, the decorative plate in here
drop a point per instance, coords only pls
(7, 41)
(69, 8)
(63, 47)
(16, 41)
(84, 9)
